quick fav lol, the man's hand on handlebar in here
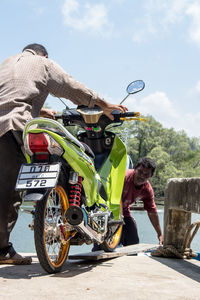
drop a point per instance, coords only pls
(47, 113)
(108, 108)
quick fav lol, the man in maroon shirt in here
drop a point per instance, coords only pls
(137, 187)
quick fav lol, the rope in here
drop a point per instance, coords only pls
(185, 252)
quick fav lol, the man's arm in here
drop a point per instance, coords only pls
(156, 224)
(62, 84)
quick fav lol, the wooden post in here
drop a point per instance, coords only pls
(182, 197)
(177, 223)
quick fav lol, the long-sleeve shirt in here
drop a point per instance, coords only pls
(131, 194)
(26, 80)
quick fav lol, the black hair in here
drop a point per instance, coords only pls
(146, 163)
(39, 49)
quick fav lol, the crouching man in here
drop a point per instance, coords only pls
(137, 186)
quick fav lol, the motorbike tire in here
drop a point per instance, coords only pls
(52, 252)
(112, 241)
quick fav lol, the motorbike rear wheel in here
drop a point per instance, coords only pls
(51, 247)
(114, 237)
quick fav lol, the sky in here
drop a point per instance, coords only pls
(107, 44)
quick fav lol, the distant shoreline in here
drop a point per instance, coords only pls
(160, 201)
(139, 205)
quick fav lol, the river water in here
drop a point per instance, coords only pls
(23, 240)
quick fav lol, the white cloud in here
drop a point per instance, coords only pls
(159, 17)
(169, 11)
(174, 11)
(162, 109)
(191, 124)
(157, 104)
(194, 11)
(83, 16)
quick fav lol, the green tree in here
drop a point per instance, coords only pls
(165, 169)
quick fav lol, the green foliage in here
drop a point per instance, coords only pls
(165, 169)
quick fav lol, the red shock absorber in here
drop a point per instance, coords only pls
(75, 193)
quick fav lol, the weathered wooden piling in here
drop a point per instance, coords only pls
(182, 198)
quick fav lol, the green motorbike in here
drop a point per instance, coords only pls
(75, 182)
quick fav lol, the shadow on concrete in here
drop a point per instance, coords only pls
(70, 269)
(185, 267)
(22, 271)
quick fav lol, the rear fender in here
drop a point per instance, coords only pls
(36, 195)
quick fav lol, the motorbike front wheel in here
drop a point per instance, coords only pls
(114, 236)
(50, 233)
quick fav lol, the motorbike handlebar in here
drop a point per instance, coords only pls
(73, 117)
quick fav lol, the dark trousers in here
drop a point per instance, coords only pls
(129, 232)
(11, 158)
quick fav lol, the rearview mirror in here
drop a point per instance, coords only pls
(135, 86)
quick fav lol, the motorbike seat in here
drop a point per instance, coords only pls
(88, 150)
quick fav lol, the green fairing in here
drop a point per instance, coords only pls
(85, 170)
(112, 175)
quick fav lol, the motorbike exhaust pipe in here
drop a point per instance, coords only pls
(74, 215)
(88, 232)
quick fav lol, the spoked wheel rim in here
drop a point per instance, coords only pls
(54, 237)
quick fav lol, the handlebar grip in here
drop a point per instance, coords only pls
(58, 117)
(130, 114)
(118, 116)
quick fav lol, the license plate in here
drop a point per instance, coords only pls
(37, 176)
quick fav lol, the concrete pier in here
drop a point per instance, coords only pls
(126, 277)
